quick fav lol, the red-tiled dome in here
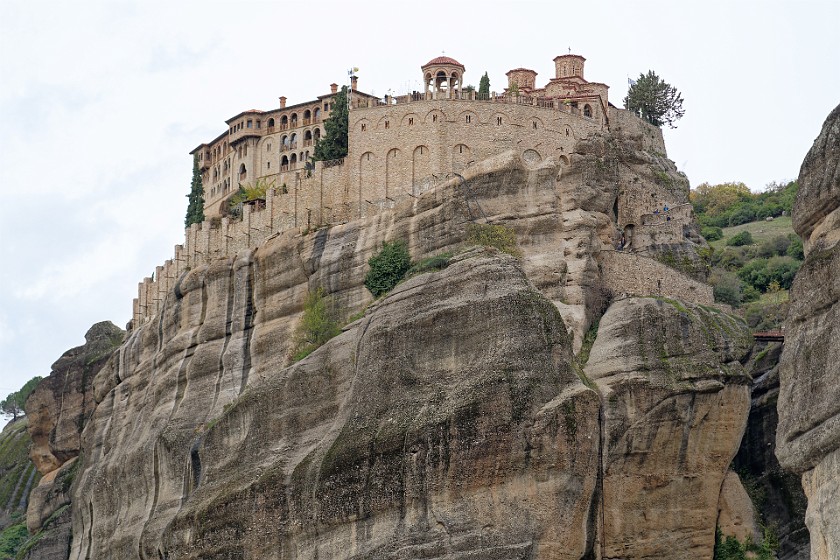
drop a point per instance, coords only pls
(443, 60)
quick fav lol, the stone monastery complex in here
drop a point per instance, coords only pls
(398, 144)
(398, 147)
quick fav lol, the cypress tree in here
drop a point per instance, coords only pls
(195, 207)
(484, 87)
(333, 144)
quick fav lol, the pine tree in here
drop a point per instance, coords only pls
(484, 87)
(655, 100)
(195, 207)
(333, 144)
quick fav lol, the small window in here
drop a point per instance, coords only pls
(434, 118)
(410, 121)
(387, 124)
(249, 123)
(364, 127)
(326, 106)
(468, 118)
(268, 165)
(567, 131)
(498, 121)
(535, 124)
(258, 123)
(587, 111)
(460, 148)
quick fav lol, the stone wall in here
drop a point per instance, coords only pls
(626, 273)
(396, 148)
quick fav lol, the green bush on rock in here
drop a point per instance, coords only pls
(387, 268)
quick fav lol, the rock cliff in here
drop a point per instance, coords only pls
(57, 410)
(808, 437)
(500, 408)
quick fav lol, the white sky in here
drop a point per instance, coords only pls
(101, 103)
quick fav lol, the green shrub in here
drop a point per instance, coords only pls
(11, 539)
(712, 233)
(726, 287)
(500, 237)
(759, 273)
(774, 246)
(795, 249)
(740, 239)
(317, 325)
(387, 268)
(436, 262)
(730, 548)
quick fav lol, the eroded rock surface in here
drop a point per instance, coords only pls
(58, 410)
(61, 404)
(676, 398)
(452, 420)
(808, 438)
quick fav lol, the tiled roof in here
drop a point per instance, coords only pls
(443, 60)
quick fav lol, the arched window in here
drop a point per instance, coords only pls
(284, 163)
(293, 120)
(270, 123)
(587, 111)
(307, 138)
(307, 116)
(242, 173)
(316, 116)
(292, 161)
(317, 134)
(293, 141)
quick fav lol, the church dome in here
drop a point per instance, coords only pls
(443, 61)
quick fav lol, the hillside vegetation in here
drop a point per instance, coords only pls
(754, 252)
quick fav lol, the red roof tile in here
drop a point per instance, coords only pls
(443, 60)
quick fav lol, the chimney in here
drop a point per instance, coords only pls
(333, 88)
(282, 101)
(354, 82)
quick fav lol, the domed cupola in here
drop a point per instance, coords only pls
(443, 77)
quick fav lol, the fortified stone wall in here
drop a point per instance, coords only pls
(395, 148)
(627, 273)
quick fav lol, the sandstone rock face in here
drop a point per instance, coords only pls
(675, 404)
(451, 421)
(58, 409)
(736, 513)
(432, 428)
(62, 402)
(808, 437)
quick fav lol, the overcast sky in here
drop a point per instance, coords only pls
(101, 103)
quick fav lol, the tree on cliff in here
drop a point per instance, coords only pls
(655, 100)
(195, 207)
(333, 144)
(13, 404)
(484, 87)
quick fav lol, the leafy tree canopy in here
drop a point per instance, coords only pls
(195, 206)
(13, 404)
(333, 144)
(732, 204)
(657, 101)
